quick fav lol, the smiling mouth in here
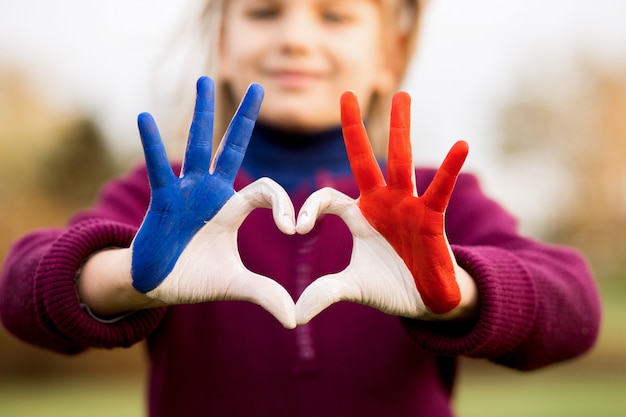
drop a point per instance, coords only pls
(294, 79)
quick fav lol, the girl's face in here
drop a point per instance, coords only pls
(305, 53)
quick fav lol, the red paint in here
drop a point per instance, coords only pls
(414, 226)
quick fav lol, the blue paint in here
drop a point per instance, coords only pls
(180, 206)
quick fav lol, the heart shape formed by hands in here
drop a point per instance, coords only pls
(186, 248)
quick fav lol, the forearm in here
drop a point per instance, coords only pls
(529, 300)
(105, 285)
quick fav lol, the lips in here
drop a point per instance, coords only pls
(294, 78)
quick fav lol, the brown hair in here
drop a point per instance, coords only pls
(401, 24)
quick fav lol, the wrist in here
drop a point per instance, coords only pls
(105, 284)
(469, 306)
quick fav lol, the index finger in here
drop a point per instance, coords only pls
(439, 191)
(233, 147)
(362, 160)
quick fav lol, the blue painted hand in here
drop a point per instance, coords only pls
(186, 250)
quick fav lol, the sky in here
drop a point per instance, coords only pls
(101, 57)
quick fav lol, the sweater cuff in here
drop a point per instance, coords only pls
(507, 308)
(58, 306)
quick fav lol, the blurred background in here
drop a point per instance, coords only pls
(538, 89)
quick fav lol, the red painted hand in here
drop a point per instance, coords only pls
(413, 225)
(401, 262)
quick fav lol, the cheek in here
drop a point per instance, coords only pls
(236, 67)
(362, 60)
(238, 55)
(373, 74)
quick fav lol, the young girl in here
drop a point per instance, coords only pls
(165, 257)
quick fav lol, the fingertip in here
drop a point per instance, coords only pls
(287, 225)
(460, 150)
(254, 95)
(287, 317)
(147, 126)
(205, 98)
(305, 222)
(350, 111)
(402, 98)
(256, 89)
(285, 309)
(205, 83)
(291, 323)
(144, 118)
(251, 102)
(462, 146)
(349, 100)
(301, 230)
(348, 95)
(282, 206)
(400, 113)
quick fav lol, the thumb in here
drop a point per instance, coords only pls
(322, 293)
(266, 293)
(325, 200)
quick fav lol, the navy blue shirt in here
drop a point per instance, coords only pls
(296, 160)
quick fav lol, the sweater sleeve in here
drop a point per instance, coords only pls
(538, 303)
(38, 299)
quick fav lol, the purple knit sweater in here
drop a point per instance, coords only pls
(539, 305)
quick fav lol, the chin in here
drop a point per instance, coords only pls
(291, 124)
(297, 121)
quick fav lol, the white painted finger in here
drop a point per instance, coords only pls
(324, 201)
(267, 193)
(266, 293)
(322, 293)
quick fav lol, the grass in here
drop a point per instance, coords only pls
(72, 398)
(542, 394)
(499, 393)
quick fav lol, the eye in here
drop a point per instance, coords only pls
(334, 17)
(263, 12)
(336, 14)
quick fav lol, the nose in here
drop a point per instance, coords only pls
(297, 31)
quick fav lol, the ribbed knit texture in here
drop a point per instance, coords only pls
(55, 291)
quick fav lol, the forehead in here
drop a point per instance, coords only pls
(382, 3)
(396, 15)
(388, 8)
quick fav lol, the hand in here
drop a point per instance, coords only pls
(186, 249)
(401, 262)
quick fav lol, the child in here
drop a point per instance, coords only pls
(152, 260)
